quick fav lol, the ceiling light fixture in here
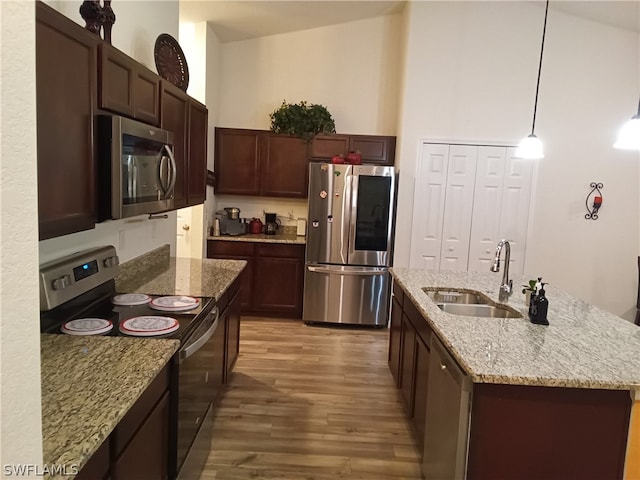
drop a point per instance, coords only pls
(629, 136)
(531, 147)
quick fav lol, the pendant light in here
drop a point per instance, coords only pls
(531, 146)
(629, 136)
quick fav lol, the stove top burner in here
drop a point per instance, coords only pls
(149, 326)
(87, 326)
(131, 299)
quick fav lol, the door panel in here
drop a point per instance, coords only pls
(516, 201)
(371, 215)
(487, 203)
(356, 295)
(458, 210)
(428, 207)
(328, 234)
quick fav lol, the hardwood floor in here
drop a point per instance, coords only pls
(313, 403)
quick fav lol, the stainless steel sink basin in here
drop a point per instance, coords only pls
(490, 311)
(454, 296)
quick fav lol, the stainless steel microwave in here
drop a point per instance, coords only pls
(137, 169)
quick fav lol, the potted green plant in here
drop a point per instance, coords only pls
(529, 290)
(302, 120)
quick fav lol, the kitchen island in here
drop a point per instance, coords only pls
(88, 385)
(544, 401)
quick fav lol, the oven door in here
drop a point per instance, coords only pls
(201, 367)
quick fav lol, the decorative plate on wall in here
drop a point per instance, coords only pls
(170, 61)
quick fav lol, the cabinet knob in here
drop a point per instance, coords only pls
(185, 227)
(487, 251)
(451, 249)
(442, 366)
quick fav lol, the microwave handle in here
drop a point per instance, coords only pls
(174, 172)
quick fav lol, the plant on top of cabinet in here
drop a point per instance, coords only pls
(302, 120)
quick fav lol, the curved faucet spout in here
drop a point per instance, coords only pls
(507, 285)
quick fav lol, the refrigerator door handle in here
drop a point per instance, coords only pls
(370, 271)
(346, 216)
(353, 213)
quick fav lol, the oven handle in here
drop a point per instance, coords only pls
(195, 346)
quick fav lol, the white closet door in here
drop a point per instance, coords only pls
(458, 207)
(485, 224)
(428, 206)
(516, 201)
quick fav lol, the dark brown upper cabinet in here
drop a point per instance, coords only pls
(375, 149)
(237, 161)
(197, 169)
(127, 87)
(262, 163)
(66, 95)
(174, 111)
(284, 167)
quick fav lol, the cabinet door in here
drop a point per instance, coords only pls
(146, 457)
(232, 346)
(420, 388)
(128, 88)
(430, 187)
(146, 95)
(323, 147)
(407, 364)
(97, 467)
(374, 149)
(66, 91)
(395, 334)
(174, 111)
(284, 295)
(237, 161)
(117, 72)
(197, 153)
(284, 167)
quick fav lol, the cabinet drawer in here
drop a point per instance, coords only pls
(131, 422)
(220, 247)
(279, 250)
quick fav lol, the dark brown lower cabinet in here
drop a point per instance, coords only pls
(138, 448)
(146, 456)
(395, 335)
(232, 345)
(516, 432)
(273, 279)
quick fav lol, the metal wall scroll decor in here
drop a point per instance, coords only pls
(594, 201)
(98, 17)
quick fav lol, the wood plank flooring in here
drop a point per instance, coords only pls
(312, 403)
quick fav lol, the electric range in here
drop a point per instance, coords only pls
(82, 286)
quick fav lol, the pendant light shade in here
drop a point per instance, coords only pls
(531, 146)
(629, 135)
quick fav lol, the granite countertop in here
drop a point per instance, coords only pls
(88, 385)
(204, 277)
(582, 347)
(261, 237)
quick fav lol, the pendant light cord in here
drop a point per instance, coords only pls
(535, 104)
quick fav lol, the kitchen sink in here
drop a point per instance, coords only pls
(455, 296)
(490, 311)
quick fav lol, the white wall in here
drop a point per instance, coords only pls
(20, 438)
(138, 24)
(470, 75)
(351, 68)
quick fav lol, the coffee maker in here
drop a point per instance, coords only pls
(230, 221)
(271, 223)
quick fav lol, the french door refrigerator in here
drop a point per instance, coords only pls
(349, 244)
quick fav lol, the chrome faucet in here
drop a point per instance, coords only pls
(507, 285)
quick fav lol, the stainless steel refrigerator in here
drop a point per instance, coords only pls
(349, 243)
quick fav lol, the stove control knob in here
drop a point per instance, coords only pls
(111, 261)
(62, 282)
